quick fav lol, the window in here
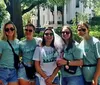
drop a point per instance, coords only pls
(77, 3)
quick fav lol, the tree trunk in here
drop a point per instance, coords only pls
(16, 16)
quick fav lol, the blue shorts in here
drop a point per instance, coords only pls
(22, 73)
(8, 75)
(73, 80)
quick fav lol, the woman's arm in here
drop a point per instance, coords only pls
(39, 70)
(76, 62)
(51, 78)
(70, 63)
(97, 73)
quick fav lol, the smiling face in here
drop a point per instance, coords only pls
(48, 36)
(9, 30)
(29, 31)
(66, 33)
(82, 30)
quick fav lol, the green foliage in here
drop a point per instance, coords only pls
(58, 2)
(26, 17)
(95, 27)
(38, 35)
(58, 31)
(29, 4)
(95, 21)
(80, 17)
(2, 12)
(95, 34)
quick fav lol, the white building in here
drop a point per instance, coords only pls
(48, 18)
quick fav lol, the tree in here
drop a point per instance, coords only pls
(95, 4)
(17, 8)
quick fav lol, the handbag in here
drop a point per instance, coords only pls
(70, 69)
(30, 71)
(16, 57)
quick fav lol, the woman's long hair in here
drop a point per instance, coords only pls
(71, 40)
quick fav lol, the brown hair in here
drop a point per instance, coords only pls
(83, 24)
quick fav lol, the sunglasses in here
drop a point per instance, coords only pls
(65, 32)
(51, 34)
(82, 30)
(28, 30)
(9, 29)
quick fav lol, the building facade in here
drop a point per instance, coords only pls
(57, 17)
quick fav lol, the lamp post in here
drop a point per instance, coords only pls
(76, 14)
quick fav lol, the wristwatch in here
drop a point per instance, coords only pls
(68, 62)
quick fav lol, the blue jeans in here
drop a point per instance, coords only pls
(56, 81)
(8, 75)
(73, 80)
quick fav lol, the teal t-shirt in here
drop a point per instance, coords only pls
(7, 57)
(74, 53)
(27, 48)
(91, 49)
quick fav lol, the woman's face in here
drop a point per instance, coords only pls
(82, 31)
(9, 30)
(29, 32)
(48, 36)
(66, 33)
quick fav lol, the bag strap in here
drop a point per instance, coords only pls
(90, 65)
(11, 47)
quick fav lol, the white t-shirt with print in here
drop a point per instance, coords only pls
(47, 57)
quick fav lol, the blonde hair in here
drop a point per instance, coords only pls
(3, 34)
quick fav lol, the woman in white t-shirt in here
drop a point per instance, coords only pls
(45, 60)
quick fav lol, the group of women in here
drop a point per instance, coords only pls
(77, 63)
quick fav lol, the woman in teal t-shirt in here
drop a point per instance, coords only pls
(71, 56)
(8, 73)
(91, 48)
(27, 47)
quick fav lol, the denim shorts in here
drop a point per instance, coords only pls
(56, 81)
(22, 73)
(73, 80)
(8, 75)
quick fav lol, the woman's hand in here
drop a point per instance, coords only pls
(95, 80)
(49, 80)
(61, 62)
(1, 83)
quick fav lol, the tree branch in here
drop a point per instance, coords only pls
(33, 5)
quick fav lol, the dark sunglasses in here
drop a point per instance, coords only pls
(28, 30)
(51, 34)
(9, 29)
(65, 32)
(81, 30)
